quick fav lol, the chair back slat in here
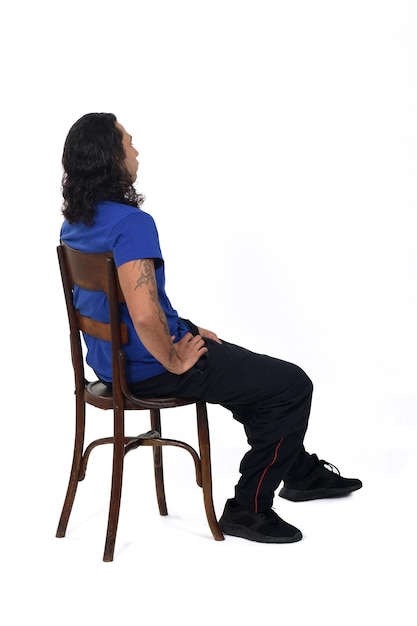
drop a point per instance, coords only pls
(90, 271)
(99, 330)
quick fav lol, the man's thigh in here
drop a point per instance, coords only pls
(235, 377)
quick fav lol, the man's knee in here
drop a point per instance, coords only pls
(304, 382)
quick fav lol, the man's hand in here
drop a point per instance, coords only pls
(188, 350)
(208, 334)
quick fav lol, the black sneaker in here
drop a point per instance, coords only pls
(322, 481)
(263, 527)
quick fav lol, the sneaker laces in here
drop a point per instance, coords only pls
(329, 466)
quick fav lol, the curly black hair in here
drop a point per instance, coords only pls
(94, 168)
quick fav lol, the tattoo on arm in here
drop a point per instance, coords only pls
(145, 273)
(147, 278)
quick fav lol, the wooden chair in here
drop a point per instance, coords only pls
(97, 272)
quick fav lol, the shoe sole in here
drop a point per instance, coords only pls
(245, 533)
(298, 495)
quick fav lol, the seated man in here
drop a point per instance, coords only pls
(170, 356)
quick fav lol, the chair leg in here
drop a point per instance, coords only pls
(158, 464)
(204, 444)
(76, 466)
(116, 484)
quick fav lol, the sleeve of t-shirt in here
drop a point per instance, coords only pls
(135, 237)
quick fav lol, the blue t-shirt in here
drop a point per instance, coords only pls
(130, 234)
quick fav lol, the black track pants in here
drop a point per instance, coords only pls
(270, 397)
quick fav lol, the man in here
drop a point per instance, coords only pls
(168, 355)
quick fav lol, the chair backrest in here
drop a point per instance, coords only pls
(92, 272)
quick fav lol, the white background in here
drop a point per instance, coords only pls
(277, 149)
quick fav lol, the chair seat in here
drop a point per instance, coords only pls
(98, 394)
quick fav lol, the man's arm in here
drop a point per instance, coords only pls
(138, 283)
